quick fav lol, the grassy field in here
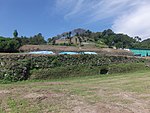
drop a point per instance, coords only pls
(124, 93)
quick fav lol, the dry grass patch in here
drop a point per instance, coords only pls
(126, 93)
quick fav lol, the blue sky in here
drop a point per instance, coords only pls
(52, 17)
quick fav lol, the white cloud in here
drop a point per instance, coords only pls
(92, 10)
(134, 23)
(130, 17)
(76, 9)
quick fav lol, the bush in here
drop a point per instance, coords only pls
(125, 68)
(15, 71)
(63, 72)
(84, 70)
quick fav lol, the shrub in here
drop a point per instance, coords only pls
(63, 72)
(15, 71)
(85, 70)
(125, 68)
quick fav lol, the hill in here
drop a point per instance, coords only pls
(104, 39)
(78, 38)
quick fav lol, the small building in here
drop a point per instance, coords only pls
(62, 41)
(74, 40)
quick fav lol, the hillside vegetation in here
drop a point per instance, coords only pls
(18, 67)
(78, 37)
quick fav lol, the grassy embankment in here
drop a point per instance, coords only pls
(116, 93)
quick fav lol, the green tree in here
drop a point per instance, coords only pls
(69, 37)
(37, 39)
(137, 38)
(49, 40)
(15, 33)
(9, 45)
(107, 32)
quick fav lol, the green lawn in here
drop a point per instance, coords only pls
(120, 93)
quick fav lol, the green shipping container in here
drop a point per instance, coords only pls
(140, 52)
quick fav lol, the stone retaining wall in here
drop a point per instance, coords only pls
(16, 67)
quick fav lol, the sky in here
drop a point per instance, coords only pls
(52, 17)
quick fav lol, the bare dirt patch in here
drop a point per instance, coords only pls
(49, 83)
(42, 96)
(137, 106)
(83, 107)
(34, 95)
(4, 91)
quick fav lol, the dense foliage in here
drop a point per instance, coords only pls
(145, 44)
(9, 45)
(107, 38)
(13, 44)
(15, 67)
(81, 70)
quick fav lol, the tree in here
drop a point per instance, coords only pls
(49, 40)
(15, 33)
(137, 38)
(69, 37)
(9, 45)
(37, 39)
(107, 32)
